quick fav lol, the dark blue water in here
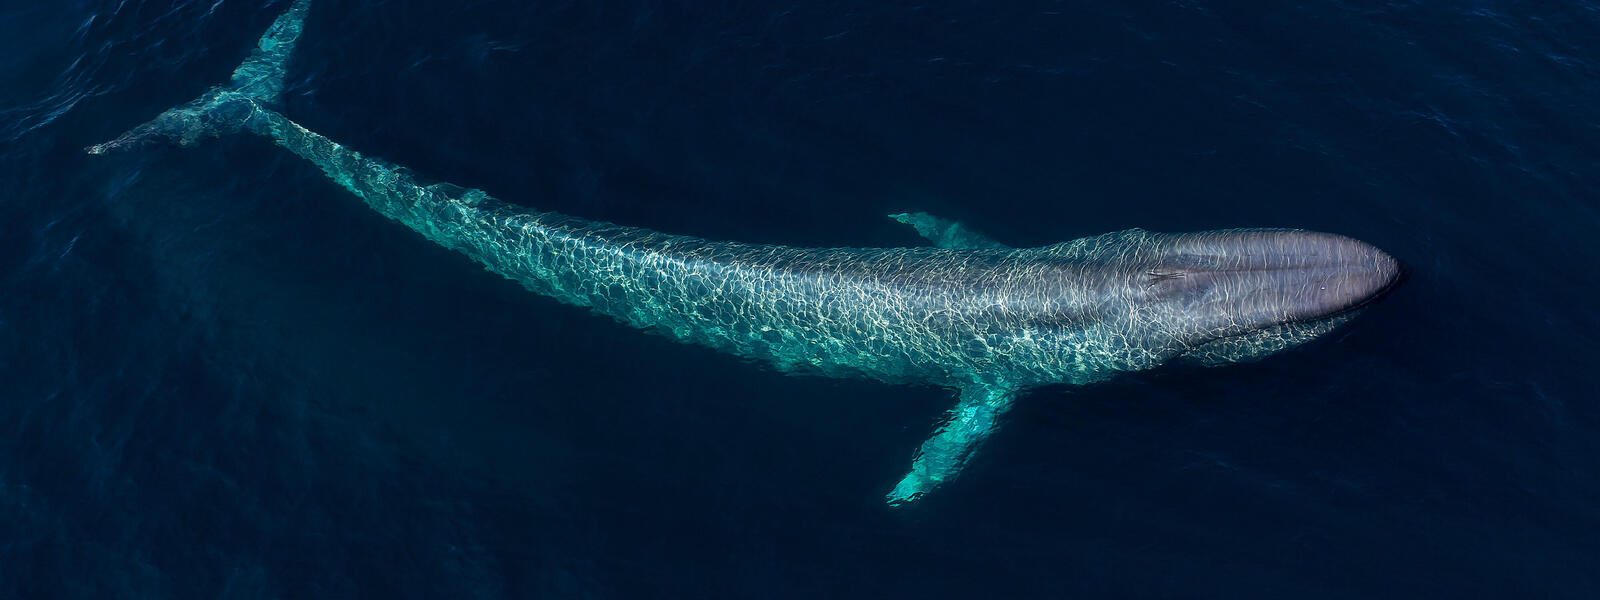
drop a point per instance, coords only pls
(221, 376)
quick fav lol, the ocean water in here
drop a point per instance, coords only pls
(223, 377)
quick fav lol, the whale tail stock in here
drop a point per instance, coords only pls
(257, 84)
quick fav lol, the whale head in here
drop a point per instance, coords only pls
(1222, 297)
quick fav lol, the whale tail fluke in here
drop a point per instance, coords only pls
(262, 76)
(258, 83)
(217, 113)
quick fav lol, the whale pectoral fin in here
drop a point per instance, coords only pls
(941, 458)
(946, 233)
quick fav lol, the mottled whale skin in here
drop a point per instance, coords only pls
(970, 314)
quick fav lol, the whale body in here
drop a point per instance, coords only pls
(970, 313)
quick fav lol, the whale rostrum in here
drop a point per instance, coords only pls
(968, 314)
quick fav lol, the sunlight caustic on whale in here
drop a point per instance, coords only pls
(969, 314)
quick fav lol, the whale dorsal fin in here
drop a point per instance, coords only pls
(946, 233)
(976, 415)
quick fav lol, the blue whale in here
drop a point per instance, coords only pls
(968, 314)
